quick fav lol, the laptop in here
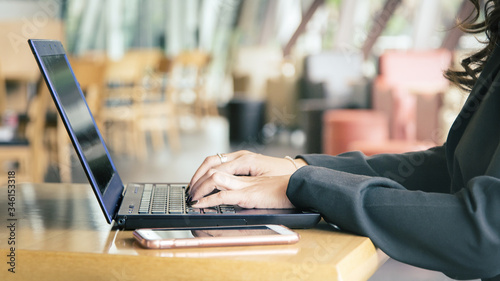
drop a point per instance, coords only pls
(135, 205)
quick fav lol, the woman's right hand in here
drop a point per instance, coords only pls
(241, 163)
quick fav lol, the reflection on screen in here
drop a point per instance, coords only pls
(79, 117)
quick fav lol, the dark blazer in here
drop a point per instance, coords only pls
(438, 209)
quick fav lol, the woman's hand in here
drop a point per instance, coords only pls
(246, 192)
(252, 175)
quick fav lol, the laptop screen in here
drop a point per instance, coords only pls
(79, 123)
(79, 119)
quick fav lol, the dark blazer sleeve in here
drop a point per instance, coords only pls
(452, 233)
(422, 170)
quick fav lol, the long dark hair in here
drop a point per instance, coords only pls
(474, 64)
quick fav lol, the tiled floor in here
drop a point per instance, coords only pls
(179, 166)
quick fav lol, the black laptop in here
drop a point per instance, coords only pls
(136, 205)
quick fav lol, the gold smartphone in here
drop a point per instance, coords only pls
(188, 237)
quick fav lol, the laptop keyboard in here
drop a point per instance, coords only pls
(171, 199)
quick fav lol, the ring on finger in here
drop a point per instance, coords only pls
(222, 157)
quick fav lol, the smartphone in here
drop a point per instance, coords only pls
(186, 237)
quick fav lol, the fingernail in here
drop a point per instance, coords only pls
(191, 203)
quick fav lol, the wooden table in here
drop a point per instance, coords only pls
(61, 234)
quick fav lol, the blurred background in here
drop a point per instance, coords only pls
(170, 82)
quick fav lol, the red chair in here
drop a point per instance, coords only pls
(341, 127)
(407, 97)
(409, 90)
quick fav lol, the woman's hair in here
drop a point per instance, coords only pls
(474, 64)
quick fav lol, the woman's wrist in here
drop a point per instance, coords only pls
(300, 162)
(297, 163)
(292, 162)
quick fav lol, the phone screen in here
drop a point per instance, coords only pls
(214, 232)
(159, 238)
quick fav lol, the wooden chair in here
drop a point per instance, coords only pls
(16, 58)
(3, 94)
(156, 115)
(125, 85)
(187, 84)
(90, 75)
(28, 152)
(155, 111)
